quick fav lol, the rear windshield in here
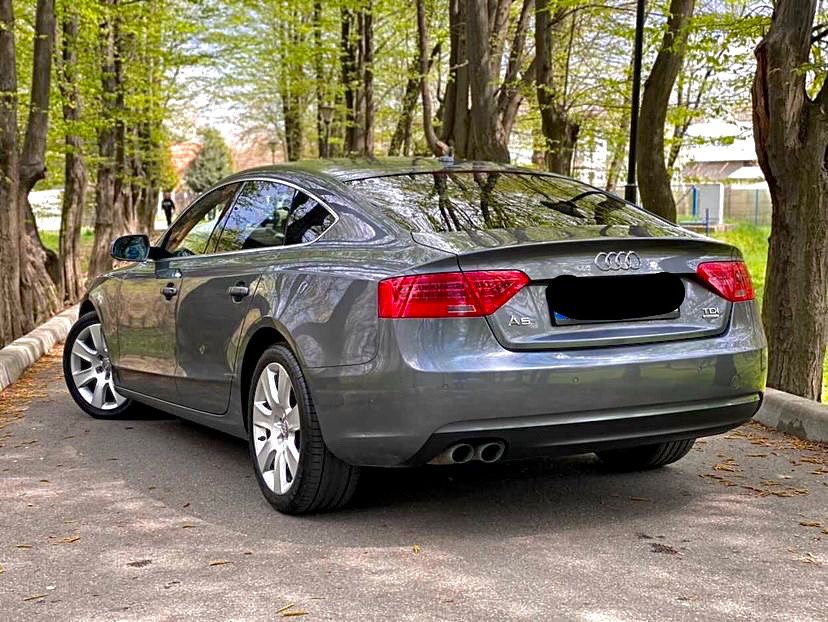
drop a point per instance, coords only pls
(474, 201)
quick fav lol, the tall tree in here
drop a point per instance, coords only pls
(791, 136)
(213, 162)
(653, 177)
(38, 294)
(481, 102)
(109, 217)
(75, 177)
(11, 321)
(559, 129)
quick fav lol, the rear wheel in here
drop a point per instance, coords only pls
(87, 370)
(295, 470)
(646, 456)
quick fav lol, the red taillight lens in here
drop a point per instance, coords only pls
(448, 294)
(729, 279)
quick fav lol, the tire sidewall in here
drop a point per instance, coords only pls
(281, 355)
(85, 320)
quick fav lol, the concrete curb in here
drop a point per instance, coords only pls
(794, 415)
(22, 353)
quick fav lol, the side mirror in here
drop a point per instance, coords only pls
(131, 248)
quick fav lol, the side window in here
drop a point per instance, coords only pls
(190, 235)
(258, 217)
(306, 220)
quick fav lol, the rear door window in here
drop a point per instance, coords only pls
(258, 217)
(474, 201)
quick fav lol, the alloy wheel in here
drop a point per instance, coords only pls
(92, 370)
(276, 428)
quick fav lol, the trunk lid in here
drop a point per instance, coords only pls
(595, 292)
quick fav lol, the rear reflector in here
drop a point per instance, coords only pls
(448, 294)
(729, 279)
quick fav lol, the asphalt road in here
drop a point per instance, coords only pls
(156, 518)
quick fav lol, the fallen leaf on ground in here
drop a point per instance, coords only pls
(657, 547)
(219, 562)
(640, 499)
(810, 523)
(140, 563)
(35, 597)
(293, 614)
(416, 548)
(23, 546)
(285, 608)
(68, 540)
(810, 558)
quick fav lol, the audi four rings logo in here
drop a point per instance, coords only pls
(614, 261)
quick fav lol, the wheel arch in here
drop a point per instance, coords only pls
(262, 336)
(86, 306)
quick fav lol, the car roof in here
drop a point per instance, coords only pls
(352, 169)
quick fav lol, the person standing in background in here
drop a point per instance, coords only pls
(168, 206)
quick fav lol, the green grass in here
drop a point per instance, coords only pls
(752, 240)
(51, 239)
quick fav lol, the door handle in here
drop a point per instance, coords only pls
(169, 290)
(238, 291)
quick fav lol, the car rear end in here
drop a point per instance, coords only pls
(562, 320)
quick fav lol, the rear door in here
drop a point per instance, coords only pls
(217, 289)
(150, 295)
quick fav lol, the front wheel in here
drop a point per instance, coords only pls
(87, 370)
(646, 456)
(295, 470)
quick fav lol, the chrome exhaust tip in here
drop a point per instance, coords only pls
(456, 454)
(489, 452)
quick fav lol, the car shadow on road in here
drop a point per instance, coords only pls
(211, 473)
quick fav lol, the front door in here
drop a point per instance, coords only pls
(151, 293)
(146, 329)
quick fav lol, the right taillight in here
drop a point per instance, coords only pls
(729, 279)
(448, 294)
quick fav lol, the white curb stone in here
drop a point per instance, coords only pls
(22, 353)
(794, 415)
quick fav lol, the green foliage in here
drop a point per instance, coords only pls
(213, 162)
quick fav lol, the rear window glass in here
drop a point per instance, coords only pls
(474, 201)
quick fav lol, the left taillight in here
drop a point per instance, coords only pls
(729, 279)
(448, 294)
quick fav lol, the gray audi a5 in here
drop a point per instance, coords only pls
(346, 313)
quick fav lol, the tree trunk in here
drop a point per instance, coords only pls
(455, 128)
(367, 41)
(436, 146)
(560, 132)
(74, 178)
(40, 270)
(402, 130)
(108, 204)
(653, 177)
(487, 140)
(11, 324)
(319, 77)
(791, 136)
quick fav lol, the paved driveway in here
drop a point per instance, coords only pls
(157, 518)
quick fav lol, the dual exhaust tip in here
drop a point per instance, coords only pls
(462, 453)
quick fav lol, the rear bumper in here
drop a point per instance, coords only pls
(594, 431)
(429, 387)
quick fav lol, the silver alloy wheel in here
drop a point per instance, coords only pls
(92, 369)
(276, 428)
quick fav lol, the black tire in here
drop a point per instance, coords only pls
(646, 456)
(118, 412)
(322, 481)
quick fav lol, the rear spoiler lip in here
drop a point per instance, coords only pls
(703, 246)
